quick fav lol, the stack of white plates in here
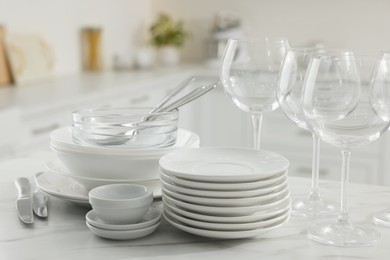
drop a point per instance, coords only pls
(225, 192)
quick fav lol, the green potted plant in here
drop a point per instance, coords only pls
(168, 36)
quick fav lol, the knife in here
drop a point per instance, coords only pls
(40, 204)
(24, 201)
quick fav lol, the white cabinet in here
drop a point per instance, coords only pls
(218, 121)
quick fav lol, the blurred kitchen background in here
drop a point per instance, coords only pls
(57, 56)
(358, 24)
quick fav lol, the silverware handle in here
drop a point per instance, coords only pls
(22, 185)
(194, 94)
(174, 92)
(40, 197)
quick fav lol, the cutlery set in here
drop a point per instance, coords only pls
(29, 203)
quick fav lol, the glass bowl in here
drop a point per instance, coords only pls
(125, 127)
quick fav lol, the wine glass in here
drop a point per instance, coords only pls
(337, 107)
(249, 74)
(380, 99)
(289, 96)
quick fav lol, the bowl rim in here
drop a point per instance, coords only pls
(89, 112)
(191, 139)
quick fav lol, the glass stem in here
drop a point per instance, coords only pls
(343, 217)
(314, 193)
(257, 120)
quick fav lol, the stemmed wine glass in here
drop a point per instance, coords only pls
(289, 96)
(337, 107)
(380, 100)
(249, 74)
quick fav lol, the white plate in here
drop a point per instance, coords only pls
(258, 216)
(226, 226)
(223, 234)
(123, 234)
(57, 167)
(224, 211)
(242, 186)
(228, 202)
(67, 188)
(82, 203)
(150, 218)
(62, 139)
(223, 194)
(223, 164)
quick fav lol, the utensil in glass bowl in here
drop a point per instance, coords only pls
(337, 107)
(249, 74)
(136, 127)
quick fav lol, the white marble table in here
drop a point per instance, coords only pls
(64, 234)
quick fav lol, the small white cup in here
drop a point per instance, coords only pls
(121, 203)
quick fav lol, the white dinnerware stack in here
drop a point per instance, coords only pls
(91, 166)
(146, 226)
(122, 212)
(224, 192)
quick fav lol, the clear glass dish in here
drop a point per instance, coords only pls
(127, 127)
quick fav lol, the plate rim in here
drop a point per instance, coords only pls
(73, 197)
(213, 202)
(224, 219)
(221, 178)
(222, 226)
(223, 234)
(223, 210)
(221, 193)
(125, 227)
(217, 186)
(125, 233)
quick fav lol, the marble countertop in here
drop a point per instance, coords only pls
(64, 234)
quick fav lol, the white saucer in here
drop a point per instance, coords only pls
(150, 218)
(239, 186)
(228, 202)
(123, 234)
(258, 216)
(222, 194)
(226, 226)
(223, 164)
(66, 188)
(223, 234)
(225, 211)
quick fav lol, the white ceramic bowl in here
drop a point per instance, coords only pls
(109, 167)
(116, 166)
(56, 167)
(121, 203)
